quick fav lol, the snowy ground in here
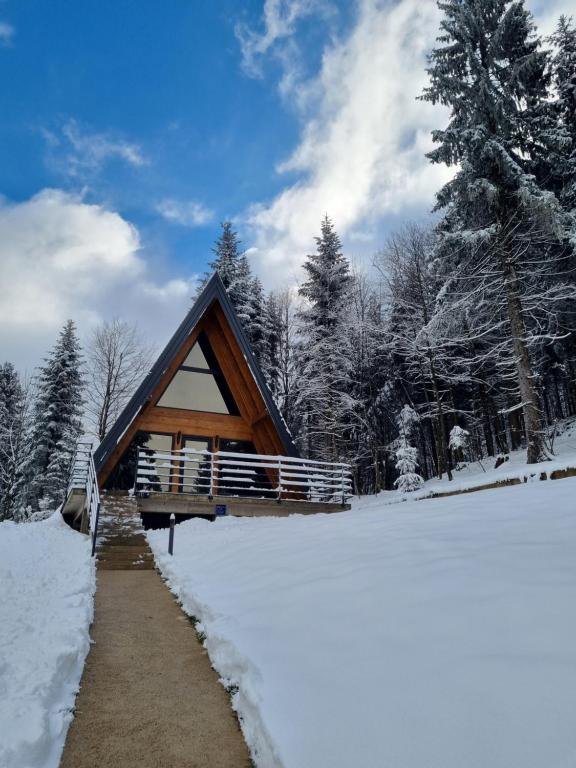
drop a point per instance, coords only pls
(436, 634)
(47, 582)
(476, 473)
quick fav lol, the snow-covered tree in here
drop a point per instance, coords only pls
(563, 108)
(13, 444)
(244, 289)
(227, 254)
(503, 234)
(324, 382)
(56, 424)
(406, 455)
(458, 442)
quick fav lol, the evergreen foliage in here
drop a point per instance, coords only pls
(56, 425)
(407, 456)
(324, 380)
(503, 233)
(13, 446)
(244, 289)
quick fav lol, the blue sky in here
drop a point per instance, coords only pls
(165, 77)
(131, 129)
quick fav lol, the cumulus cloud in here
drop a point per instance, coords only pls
(78, 152)
(187, 213)
(362, 146)
(364, 135)
(61, 257)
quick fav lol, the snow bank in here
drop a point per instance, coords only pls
(439, 633)
(47, 582)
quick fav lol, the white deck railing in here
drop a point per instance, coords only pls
(83, 477)
(241, 474)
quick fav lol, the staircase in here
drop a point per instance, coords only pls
(121, 544)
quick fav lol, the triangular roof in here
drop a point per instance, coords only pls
(214, 291)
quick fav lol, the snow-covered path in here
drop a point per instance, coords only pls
(439, 633)
(47, 582)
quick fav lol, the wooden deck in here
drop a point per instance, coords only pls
(188, 504)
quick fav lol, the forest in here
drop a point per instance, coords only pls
(456, 344)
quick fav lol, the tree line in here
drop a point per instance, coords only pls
(458, 345)
(462, 345)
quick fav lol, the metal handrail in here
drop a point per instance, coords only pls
(83, 477)
(241, 474)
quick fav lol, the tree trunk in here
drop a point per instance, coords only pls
(528, 393)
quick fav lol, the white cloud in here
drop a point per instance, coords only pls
(364, 136)
(547, 13)
(61, 257)
(6, 33)
(188, 213)
(362, 146)
(280, 18)
(77, 152)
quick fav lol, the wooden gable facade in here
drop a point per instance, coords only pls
(205, 392)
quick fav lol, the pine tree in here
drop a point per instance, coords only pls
(325, 390)
(13, 411)
(406, 455)
(244, 289)
(227, 256)
(564, 109)
(56, 423)
(501, 231)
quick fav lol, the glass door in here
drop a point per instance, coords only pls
(195, 468)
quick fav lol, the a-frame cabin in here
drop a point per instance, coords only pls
(203, 425)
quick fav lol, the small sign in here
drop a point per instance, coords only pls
(220, 510)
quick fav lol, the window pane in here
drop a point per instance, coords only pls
(195, 473)
(194, 392)
(196, 358)
(160, 475)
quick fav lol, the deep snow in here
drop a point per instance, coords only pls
(479, 473)
(47, 582)
(437, 633)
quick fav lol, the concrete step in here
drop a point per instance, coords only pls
(121, 544)
(106, 566)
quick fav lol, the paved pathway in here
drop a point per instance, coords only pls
(149, 697)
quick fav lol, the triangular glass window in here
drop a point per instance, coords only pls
(199, 385)
(196, 359)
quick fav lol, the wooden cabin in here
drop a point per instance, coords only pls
(202, 434)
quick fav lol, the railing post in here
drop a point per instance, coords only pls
(171, 534)
(279, 499)
(343, 493)
(212, 470)
(136, 472)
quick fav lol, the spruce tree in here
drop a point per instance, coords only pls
(501, 230)
(325, 387)
(12, 438)
(244, 289)
(56, 423)
(406, 455)
(227, 255)
(564, 109)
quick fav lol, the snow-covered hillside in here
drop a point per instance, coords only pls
(438, 633)
(47, 582)
(480, 473)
